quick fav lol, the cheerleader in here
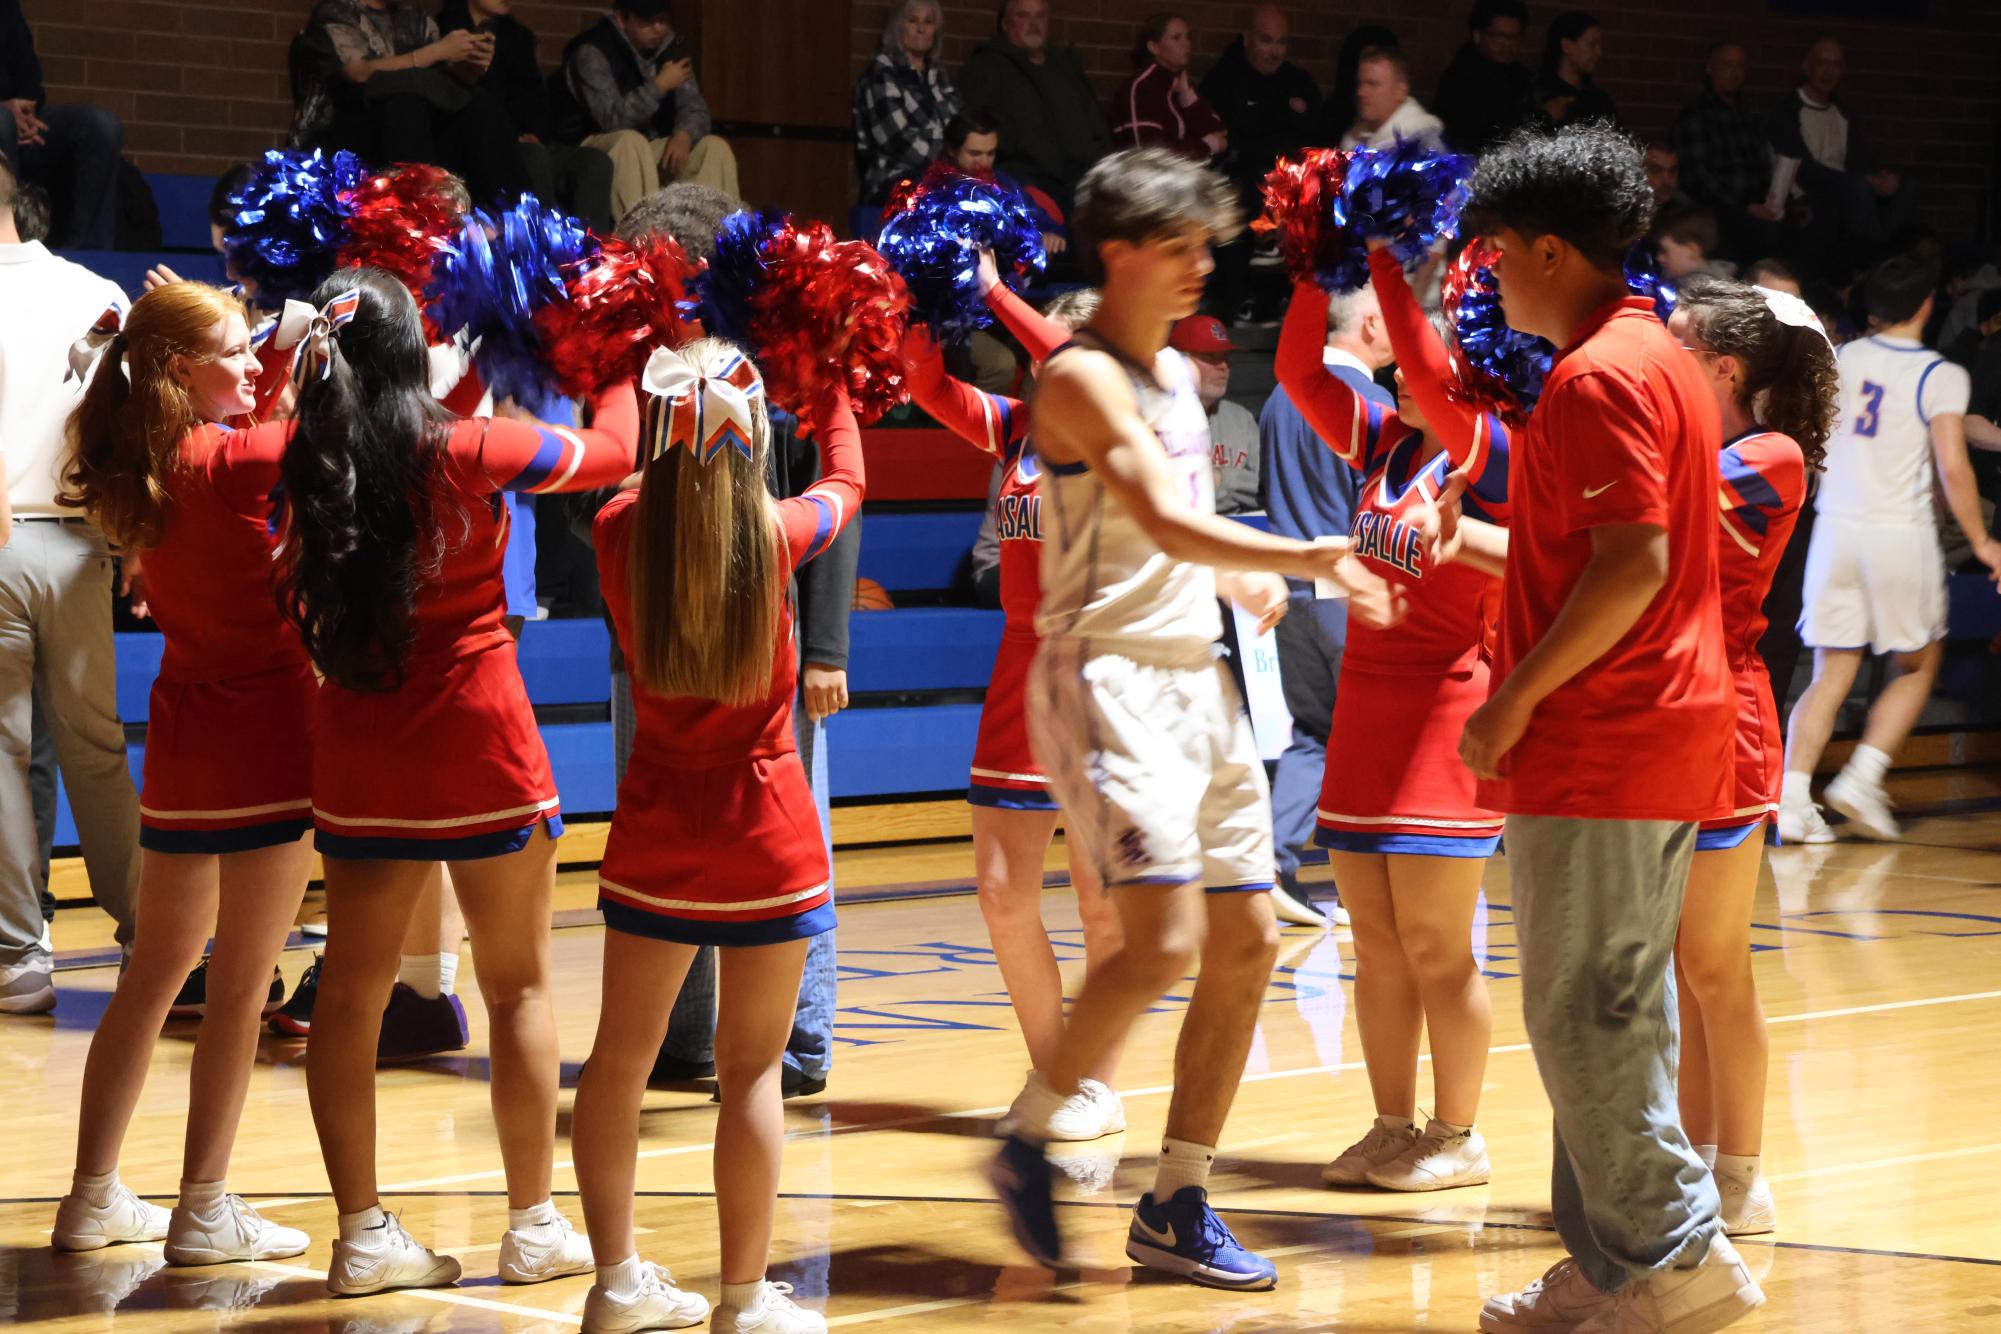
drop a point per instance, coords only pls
(390, 567)
(1777, 385)
(225, 802)
(1408, 841)
(716, 840)
(1014, 815)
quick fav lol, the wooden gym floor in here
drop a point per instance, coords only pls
(1880, 967)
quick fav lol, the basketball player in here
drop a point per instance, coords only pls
(1875, 580)
(1611, 647)
(1140, 727)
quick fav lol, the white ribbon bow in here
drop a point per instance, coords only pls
(1789, 309)
(704, 412)
(314, 355)
(85, 351)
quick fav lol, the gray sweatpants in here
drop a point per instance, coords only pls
(55, 634)
(1597, 905)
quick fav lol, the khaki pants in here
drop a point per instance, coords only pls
(55, 634)
(635, 166)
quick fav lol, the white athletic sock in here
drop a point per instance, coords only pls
(1397, 1122)
(1796, 790)
(448, 972)
(201, 1196)
(1707, 1152)
(1868, 765)
(535, 1215)
(94, 1188)
(1182, 1164)
(625, 1278)
(1446, 1128)
(1743, 1166)
(423, 974)
(366, 1220)
(1037, 1103)
(745, 1297)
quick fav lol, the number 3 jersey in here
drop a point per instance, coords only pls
(1879, 460)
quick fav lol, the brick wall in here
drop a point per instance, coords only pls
(201, 83)
(1926, 92)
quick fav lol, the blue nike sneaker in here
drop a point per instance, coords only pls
(1185, 1237)
(1021, 1176)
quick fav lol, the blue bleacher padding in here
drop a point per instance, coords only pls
(566, 661)
(903, 551)
(1973, 606)
(922, 648)
(183, 204)
(886, 752)
(128, 268)
(65, 826)
(138, 663)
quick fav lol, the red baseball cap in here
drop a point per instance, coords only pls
(1200, 334)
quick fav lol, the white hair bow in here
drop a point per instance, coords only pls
(314, 355)
(1789, 309)
(85, 351)
(701, 411)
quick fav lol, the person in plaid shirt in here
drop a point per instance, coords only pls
(903, 100)
(1726, 160)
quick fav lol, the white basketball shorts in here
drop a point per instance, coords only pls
(1873, 585)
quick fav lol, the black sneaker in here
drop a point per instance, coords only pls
(670, 1070)
(416, 1026)
(294, 1018)
(799, 1084)
(192, 1003)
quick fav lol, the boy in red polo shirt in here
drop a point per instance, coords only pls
(1607, 735)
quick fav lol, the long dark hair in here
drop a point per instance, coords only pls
(1568, 26)
(361, 495)
(1791, 382)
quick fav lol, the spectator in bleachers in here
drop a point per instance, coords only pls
(1486, 90)
(1233, 431)
(627, 87)
(55, 616)
(1774, 275)
(1157, 105)
(1726, 160)
(1663, 166)
(1307, 492)
(1269, 106)
(72, 151)
(1983, 406)
(1341, 95)
(972, 145)
(381, 82)
(1565, 91)
(1051, 126)
(1384, 109)
(1856, 202)
(1685, 244)
(903, 100)
(575, 178)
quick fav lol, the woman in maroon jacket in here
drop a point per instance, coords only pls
(1158, 105)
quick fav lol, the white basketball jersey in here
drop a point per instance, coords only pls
(1103, 578)
(1879, 459)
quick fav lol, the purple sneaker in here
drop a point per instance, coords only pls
(414, 1027)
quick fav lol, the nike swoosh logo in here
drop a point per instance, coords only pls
(1165, 1239)
(1592, 493)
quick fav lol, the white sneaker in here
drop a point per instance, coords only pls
(1383, 1144)
(83, 1226)
(1748, 1207)
(542, 1252)
(1700, 1300)
(1436, 1160)
(228, 1232)
(773, 1312)
(1092, 1112)
(1803, 823)
(1865, 804)
(1339, 915)
(1561, 1299)
(1294, 911)
(657, 1305)
(27, 988)
(388, 1258)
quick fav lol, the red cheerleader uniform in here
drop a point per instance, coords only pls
(229, 731)
(1005, 772)
(450, 766)
(1394, 781)
(716, 840)
(1764, 489)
